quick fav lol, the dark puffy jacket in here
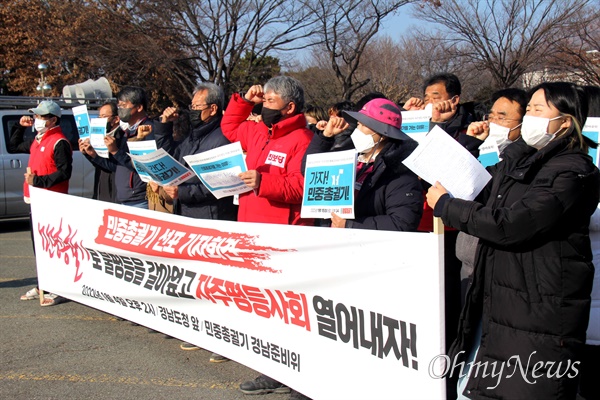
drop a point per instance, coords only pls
(533, 274)
(391, 196)
(129, 188)
(194, 199)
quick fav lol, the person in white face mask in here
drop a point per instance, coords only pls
(388, 195)
(50, 163)
(530, 297)
(502, 124)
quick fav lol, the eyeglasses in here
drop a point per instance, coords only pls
(196, 107)
(497, 118)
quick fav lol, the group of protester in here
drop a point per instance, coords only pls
(518, 258)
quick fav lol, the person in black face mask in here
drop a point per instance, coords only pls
(274, 150)
(192, 199)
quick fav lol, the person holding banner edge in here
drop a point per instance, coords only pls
(274, 151)
(192, 198)
(530, 297)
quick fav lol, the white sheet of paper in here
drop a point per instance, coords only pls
(441, 158)
(218, 169)
(142, 147)
(97, 132)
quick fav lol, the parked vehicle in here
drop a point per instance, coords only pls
(14, 165)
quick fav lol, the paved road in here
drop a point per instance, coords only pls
(71, 351)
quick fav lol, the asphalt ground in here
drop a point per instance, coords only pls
(72, 351)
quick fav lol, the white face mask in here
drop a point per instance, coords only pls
(40, 126)
(535, 131)
(500, 135)
(362, 143)
(124, 125)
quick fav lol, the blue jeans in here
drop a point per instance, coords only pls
(142, 204)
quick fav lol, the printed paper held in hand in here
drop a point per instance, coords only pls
(139, 149)
(441, 158)
(161, 168)
(218, 169)
(416, 123)
(82, 121)
(97, 132)
(591, 129)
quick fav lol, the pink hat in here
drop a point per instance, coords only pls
(381, 115)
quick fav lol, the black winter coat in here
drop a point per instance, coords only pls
(194, 199)
(391, 197)
(129, 187)
(533, 274)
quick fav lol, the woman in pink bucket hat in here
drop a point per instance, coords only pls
(388, 196)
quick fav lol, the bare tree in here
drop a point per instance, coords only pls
(505, 37)
(345, 29)
(216, 35)
(579, 54)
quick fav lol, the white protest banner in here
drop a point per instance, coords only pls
(97, 133)
(441, 158)
(82, 121)
(315, 308)
(329, 185)
(139, 149)
(591, 129)
(218, 169)
(416, 123)
(160, 167)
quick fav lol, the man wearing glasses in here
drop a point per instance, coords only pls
(503, 123)
(192, 198)
(132, 105)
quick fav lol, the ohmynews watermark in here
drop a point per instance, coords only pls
(442, 366)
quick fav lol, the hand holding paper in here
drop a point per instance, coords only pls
(439, 158)
(220, 169)
(434, 193)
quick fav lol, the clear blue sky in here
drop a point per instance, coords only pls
(396, 25)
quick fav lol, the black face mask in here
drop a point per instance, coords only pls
(124, 114)
(270, 117)
(196, 118)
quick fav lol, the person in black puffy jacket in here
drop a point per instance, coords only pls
(526, 314)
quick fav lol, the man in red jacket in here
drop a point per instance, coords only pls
(274, 150)
(50, 162)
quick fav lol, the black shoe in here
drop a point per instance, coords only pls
(295, 395)
(263, 385)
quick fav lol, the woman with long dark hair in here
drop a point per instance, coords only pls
(526, 314)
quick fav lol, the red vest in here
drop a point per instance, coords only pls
(41, 159)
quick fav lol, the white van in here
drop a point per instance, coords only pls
(14, 165)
